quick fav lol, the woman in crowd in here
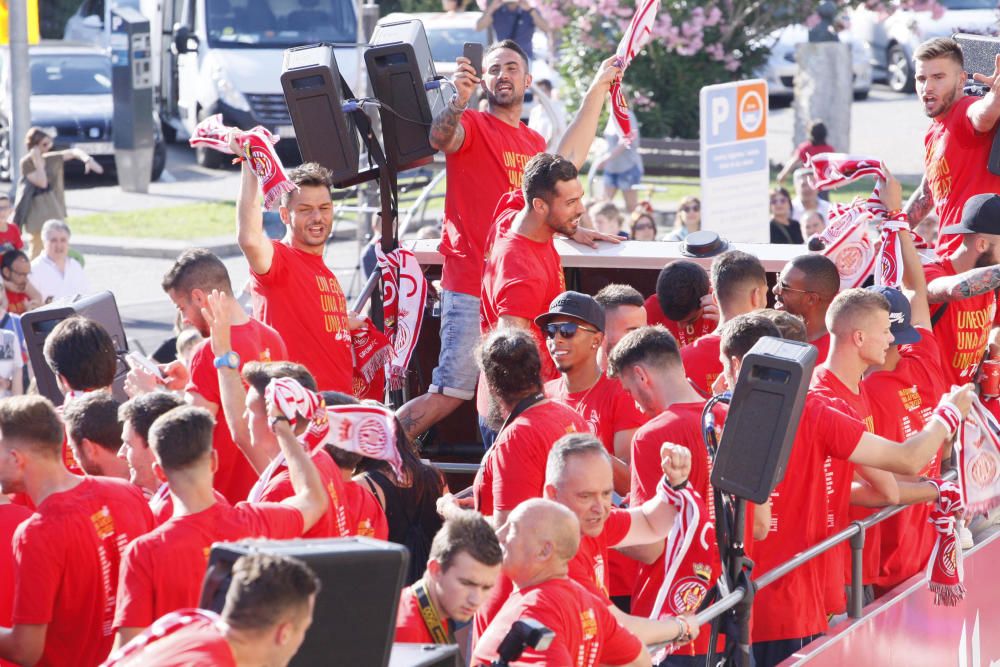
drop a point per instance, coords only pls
(815, 145)
(688, 219)
(607, 219)
(783, 228)
(643, 225)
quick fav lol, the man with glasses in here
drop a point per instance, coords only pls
(21, 295)
(806, 286)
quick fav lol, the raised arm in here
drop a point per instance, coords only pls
(970, 283)
(254, 243)
(576, 141)
(920, 203)
(486, 20)
(915, 283)
(652, 521)
(985, 111)
(310, 497)
(447, 133)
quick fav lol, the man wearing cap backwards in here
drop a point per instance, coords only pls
(574, 331)
(805, 287)
(960, 289)
(908, 386)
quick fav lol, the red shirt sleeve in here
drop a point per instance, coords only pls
(277, 270)
(617, 526)
(273, 520)
(518, 294)
(134, 604)
(40, 565)
(646, 471)
(838, 432)
(204, 378)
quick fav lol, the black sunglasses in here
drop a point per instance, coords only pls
(564, 329)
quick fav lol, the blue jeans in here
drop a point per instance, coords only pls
(457, 373)
(623, 180)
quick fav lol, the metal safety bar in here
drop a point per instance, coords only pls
(855, 532)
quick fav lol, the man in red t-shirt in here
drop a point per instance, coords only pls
(791, 612)
(739, 284)
(269, 608)
(624, 311)
(461, 572)
(539, 541)
(11, 516)
(67, 553)
(15, 268)
(294, 290)
(189, 282)
(574, 328)
(961, 289)
(94, 434)
(513, 469)
(805, 287)
(486, 153)
(958, 142)
(136, 416)
(683, 302)
(162, 572)
(9, 232)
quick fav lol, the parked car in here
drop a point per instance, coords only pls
(71, 100)
(779, 71)
(893, 38)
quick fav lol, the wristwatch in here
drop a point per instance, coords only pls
(228, 360)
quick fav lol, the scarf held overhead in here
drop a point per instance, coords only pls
(637, 35)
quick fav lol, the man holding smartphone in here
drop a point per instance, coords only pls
(486, 153)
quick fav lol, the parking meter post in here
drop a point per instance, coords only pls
(132, 92)
(20, 85)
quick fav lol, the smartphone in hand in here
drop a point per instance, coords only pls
(474, 52)
(136, 360)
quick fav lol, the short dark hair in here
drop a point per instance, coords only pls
(81, 350)
(821, 273)
(265, 588)
(817, 132)
(647, 345)
(792, 327)
(510, 361)
(465, 531)
(680, 287)
(10, 256)
(197, 268)
(616, 295)
(308, 174)
(33, 420)
(94, 416)
(344, 459)
(144, 409)
(542, 173)
(568, 446)
(940, 47)
(742, 333)
(258, 374)
(513, 46)
(733, 270)
(182, 436)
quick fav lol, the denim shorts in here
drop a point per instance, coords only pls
(456, 373)
(625, 180)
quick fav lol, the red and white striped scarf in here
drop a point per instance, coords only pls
(258, 151)
(362, 429)
(637, 35)
(164, 627)
(979, 459)
(945, 565)
(404, 294)
(372, 353)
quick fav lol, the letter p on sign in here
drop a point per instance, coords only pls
(719, 113)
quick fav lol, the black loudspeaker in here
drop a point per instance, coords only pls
(405, 112)
(763, 417)
(425, 655)
(355, 617)
(39, 323)
(314, 95)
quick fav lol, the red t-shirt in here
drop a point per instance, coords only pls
(163, 571)
(17, 302)
(12, 235)
(963, 331)
(489, 164)
(794, 606)
(822, 345)
(197, 645)
(684, 333)
(907, 397)
(410, 626)
(514, 468)
(162, 504)
(253, 341)
(590, 565)
(11, 516)
(955, 158)
(301, 298)
(334, 522)
(807, 149)
(702, 363)
(586, 633)
(365, 517)
(67, 555)
(680, 424)
(606, 407)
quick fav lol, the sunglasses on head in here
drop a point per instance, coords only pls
(691, 208)
(564, 329)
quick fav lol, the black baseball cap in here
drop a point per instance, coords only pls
(903, 332)
(703, 243)
(575, 304)
(980, 215)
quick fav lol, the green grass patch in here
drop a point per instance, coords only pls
(188, 221)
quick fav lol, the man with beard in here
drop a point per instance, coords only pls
(961, 289)
(486, 153)
(958, 142)
(805, 287)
